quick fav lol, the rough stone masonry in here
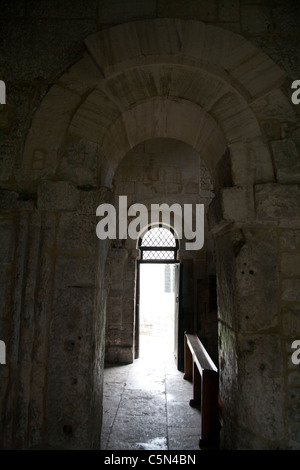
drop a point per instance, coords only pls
(186, 102)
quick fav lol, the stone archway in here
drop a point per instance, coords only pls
(168, 174)
(188, 73)
(211, 89)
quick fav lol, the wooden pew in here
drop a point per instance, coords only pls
(199, 368)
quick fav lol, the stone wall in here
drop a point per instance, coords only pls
(257, 300)
(154, 172)
(83, 88)
(51, 284)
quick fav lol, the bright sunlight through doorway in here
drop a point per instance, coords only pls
(157, 309)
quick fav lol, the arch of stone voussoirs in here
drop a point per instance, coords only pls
(154, 78)
(171, 100)
(188, 42)
(158, 117)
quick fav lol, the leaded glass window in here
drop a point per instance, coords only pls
(158, 244)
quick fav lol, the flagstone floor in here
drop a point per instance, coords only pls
(146, 404)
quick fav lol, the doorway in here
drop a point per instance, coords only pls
(157, 308)
(158, 294)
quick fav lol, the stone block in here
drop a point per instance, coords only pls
(85, 123)
(258, 74)
(215, 214)
(290, 264)
(293, 375)
(21, 99)
(83, 76)
(118, 11)
(46, 133)
(11, 200)
(7, 239)
(191, 188)
(295, 435)
(7, 118)
(229, 10)
(57, 196)
(7, 157)
(77, 230)
(71, 350)
(124, 188)
(286, 17)
(118, 254)
(56, 45)
(5, 336)
(277, 202)
(242, 165)
(194, 9)
(254, 19)
(6, 273)
(294, 408)
(271, 129)
(67, 9)
(170, 175)
(75, 272)
(256, 299)
(166, 188)
(238, 203)
(109, 48)
(239, 123)
(275, 106)
(17, 8)
(262, 160)
(290, 240)
(250, 163)
(114, 320)
(79, 163)
(291, 321)
(228, 365)
(119, 354)
(261, 369)
(153, 37)
(291, 290)
(287, 161)
(226, 280)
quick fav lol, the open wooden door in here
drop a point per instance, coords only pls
(178, 329)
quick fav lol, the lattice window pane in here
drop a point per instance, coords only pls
(159, 237)
(158, 255)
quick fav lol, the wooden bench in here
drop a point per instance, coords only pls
(199, 368)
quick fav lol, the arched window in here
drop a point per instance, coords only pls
(158, 244)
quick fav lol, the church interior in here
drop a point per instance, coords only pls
(182, 104)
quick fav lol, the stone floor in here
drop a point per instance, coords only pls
(146, 404)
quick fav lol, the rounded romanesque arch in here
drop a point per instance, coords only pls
(221, 95)
(187, 80)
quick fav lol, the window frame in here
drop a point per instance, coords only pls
(144, 249)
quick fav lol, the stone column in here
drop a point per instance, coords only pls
(54, 319)
(120, 330)
(28, 237)
(258, 301)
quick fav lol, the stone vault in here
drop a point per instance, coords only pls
(166, 78)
